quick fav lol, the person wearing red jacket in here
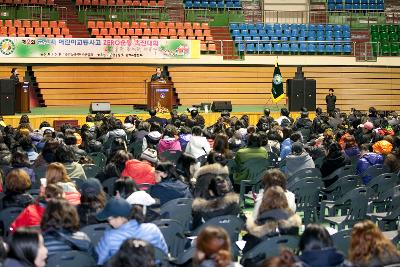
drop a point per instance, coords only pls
(32, 214)
(142, 172)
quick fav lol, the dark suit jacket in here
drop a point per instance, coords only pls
(15, 78)
(154, 77)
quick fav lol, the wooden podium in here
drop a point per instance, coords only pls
(22, 97)
(160, 94)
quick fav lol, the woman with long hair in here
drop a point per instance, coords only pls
(134, 252)
(369, 247)
(26, 249)
(213, 248)
(60, 228)
(274, 218)
(57, 174)
(93, 199)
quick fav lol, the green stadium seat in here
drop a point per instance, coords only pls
(374, 36)
(385, 49)
(384, 37)
(394, 49)
(374, 28)
(392, 28)
(393, 37)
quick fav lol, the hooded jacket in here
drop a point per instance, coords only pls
(393, 161)
(367, 160)
(198, 146)
(295, 163)
(30, 216)
(286, 148)
(168, 143)
(327, 257)
(203, 176)
(58, 241)
(169, 189)
(269, 224)
(11, 200)
(140, 171)
(204, 209)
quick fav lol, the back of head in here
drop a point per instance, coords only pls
(274, 177)
(274, 198)
(254, 140)
(267, 112)
(65, 154)
(152, 112)
(18, 181)
(23, 246)
(211, 241)
(125, 186)
(285, 112)
(196, 130)
(134, 252)
(60, 214)
(315, 237)
(295, 137)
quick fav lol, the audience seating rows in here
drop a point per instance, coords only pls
(356, 5)
(220, 4)
(388, 39)
(34, 28)
(28, 2)
(154, 30)
(293, 38)
(127, 3)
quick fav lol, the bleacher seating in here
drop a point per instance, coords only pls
(154, 30)
(213, 4)
(28, 2)
(292, 38)
(34, 28)
(122, 3)
(385, 39)
(356, 5)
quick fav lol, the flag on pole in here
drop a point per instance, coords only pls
(277, 86)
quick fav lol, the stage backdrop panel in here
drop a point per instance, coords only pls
(98, 48)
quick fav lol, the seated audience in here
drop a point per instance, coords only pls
(60, 228)
(213, 248)
(334, 160)
(274, 177)
(198, 145)
(93, 199)
(370, 248)
(32, 215)
(134, 252)
(19, 160)
(274, 218)
(392, 160)
(350, 147)
(118, 213)
(298, 159)
(17, 184)
(26, 248)
(115, 166)
(65, 155)
(56, 174)
(367, 159)
(27, 146)
(286, 146)
(317, 249)
(142, 171)
(168, 185)
(46, 156)
(214, 194)
(169, 140)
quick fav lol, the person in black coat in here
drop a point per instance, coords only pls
(330, 100)
(17, 186)
(14, 75)
(317, 249)
(335, 159)
(159, 75)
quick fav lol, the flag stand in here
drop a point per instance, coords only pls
(270, 101)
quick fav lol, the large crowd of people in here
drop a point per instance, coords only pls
(155, 161)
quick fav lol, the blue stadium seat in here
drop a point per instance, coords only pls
(348, 6)
(294, 48)
(364, 1)
(347, 49)
(294, 33)
(331, 7)
(346, 28)
(265, 38)
(277, 47)
(321, 48)
(373, 7)
(271, 33)
(311, 48)
(220, 5)
(247, 38)
(329, 33)
(337, 27)
(356, 6)
(260, 26)
(285, 48)
(320, 34)
(337, 34)
(285, 27)
(256, 38)
(244, 32)
(253, 33)
(236, 33)
(294, 27)
(303, 33)
(311, 34)
(213, 4)
(364, 6)
(237, 5)
(188, 5)
(339, 39)
(328, 27)
(262, 33)
(303, 27)
(311, 27)
(242, 26)
(251, 26)
(269, 27)
(321, 38)
(339, 7)
(287, 33)
(349, 2)
(250, 47)
(381, 7)
(329, 48)
(259, 48)
(241, 47)
(329, 38)
(303, 48)
(311, 38)
(293, 39)
(356, 2)
(274, 38)
(278, 33)
(320, 27)
(338, 48)
(284, 39)
(346, 34)
(268, 47)
(301, 39)
(277, 27)
(204, 5)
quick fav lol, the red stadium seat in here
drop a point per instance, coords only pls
(187, 25)
(130, 32)
(17, 23)
(201, 38)
(38, 31)
(21, 31)
(207, 32)
(181, 32)
(125, 36)
(50, 35)
(196, 26)
(144, 3)
(128, 3)
(147, 32)
(103, 3)
(155, 31)
(44, 24)
(111, 3)
(95, 32)
(117, 37)
(205, 26)
(135, 3)
(26, 23)
(59, 36)
(35, 24)
(112, 32)
(65, 31)
(117, 24)
(125, 25)
(42, 3)
(108, 36)
(29, 31)
(91, 24)
(87, 2)
(154, 37)
(143, 24)
(163, 37)
(135, 25)
(47, 30)
(108, 24)
(164, 32)
(79, 2)
(135, 37)
(120, 3)
(95, 3)
(152, 3)
(56, 31)
(50, 2)
(203, 47)
(189, 32)
(173, 37)
(209, 38)
(198, 33)
(3, 30)
(8, 23)
(138, 32)
(121, 31)
(161, 25)
(212, 47)
(145, 37)
(62, 24)
(191, 38)
(53, 24)
(103, 31)
(100, 24)
(171, 25)
(153, 25)
(172, 32)
(160, 3)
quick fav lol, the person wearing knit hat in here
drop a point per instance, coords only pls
(117, 212)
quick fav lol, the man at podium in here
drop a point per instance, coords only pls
(14, 75)
(159, 76)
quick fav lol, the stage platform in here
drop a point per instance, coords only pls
(50, 114)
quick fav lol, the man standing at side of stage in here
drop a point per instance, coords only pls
(14, 75)
(159, 75)
(330, 101)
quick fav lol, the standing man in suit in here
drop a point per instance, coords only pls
(14, 75)
(159, 75)
(330, 101)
